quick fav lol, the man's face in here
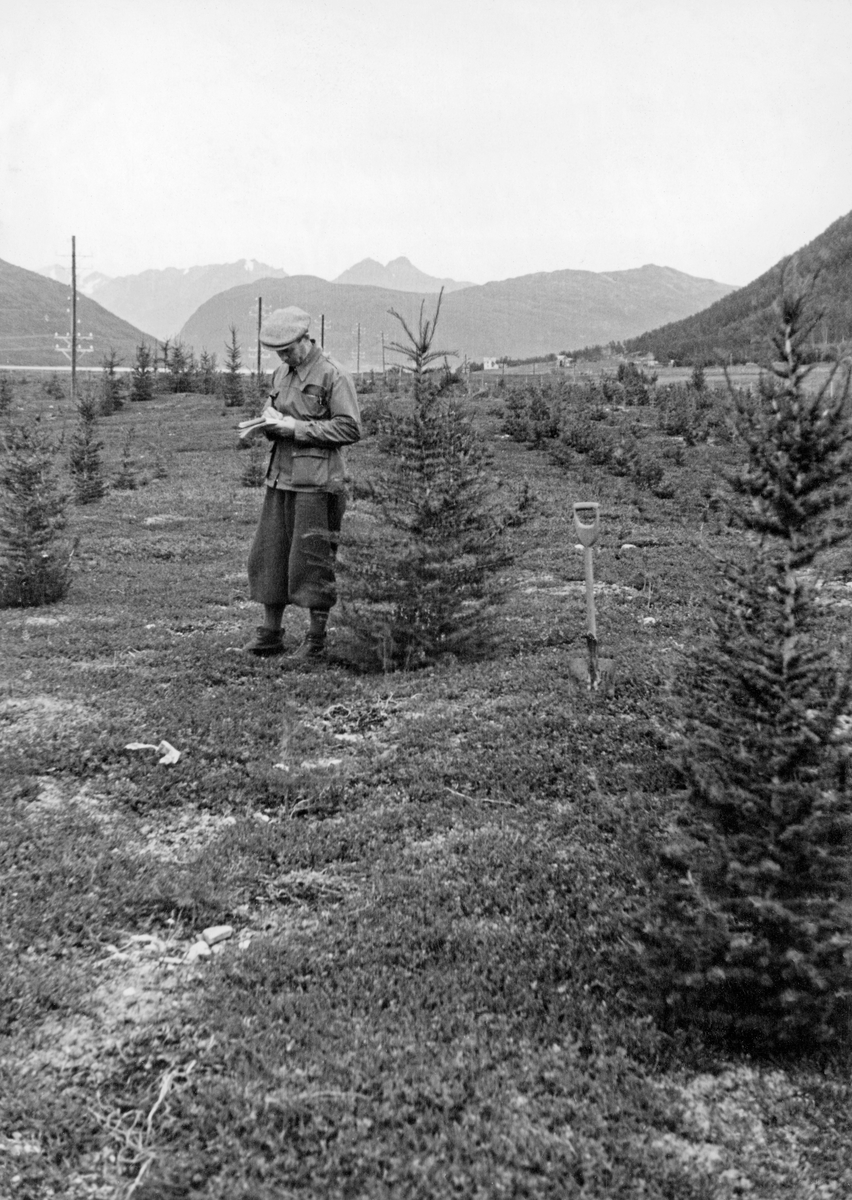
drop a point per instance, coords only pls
(295, 353)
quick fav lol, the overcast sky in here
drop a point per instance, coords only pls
(482, 139)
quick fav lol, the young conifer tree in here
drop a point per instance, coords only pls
(232, 384)
(142, 376)
(423, 576)
(6, 393)
(207, 373)
(254, 463)
(34, 559)
(181, 368)
(84, 455)
(752, 928)
(126, 478)
(110, 383)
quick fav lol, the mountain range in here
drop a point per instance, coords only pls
(34, 310)
(400, 275)
(521, 317)
(740, 326)
(161, 301)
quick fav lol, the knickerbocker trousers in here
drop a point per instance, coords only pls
(291, 560)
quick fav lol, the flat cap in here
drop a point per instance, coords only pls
(283, 327)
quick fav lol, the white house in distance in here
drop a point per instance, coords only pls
(490, 364)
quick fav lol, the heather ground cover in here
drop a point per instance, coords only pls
(434, 987)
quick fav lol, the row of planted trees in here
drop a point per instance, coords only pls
(172, 367)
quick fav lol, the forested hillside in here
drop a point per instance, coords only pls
(737, 327)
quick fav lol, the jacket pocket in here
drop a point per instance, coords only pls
(316, 400)
(310, 467)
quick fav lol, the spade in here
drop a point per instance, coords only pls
(595, 672)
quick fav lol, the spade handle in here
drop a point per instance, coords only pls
(588, 530)
(590, 594)
(587, 520)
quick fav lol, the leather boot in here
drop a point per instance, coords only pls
(265, 642)
(314, 644)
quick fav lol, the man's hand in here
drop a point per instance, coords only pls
(277, 423)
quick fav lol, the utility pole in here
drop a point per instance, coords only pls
(73, 320)
(383, 354)
(322, 332)
(71, 339)
(358, 359)
(259, 322)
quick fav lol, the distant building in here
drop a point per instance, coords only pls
(490, 364)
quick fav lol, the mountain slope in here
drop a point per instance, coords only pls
(739, 326)
(565, 310)
(400, 275)
(533, 314)
(162, 300)
(34, 309)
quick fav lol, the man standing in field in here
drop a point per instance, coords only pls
(311, 415)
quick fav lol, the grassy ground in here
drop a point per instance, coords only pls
(433, 988)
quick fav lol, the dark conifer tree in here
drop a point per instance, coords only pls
(752, 928)
(207, 374)
(84, 455)
(34, 558)
(142, 377)
(5, 393)
(110, 383)
(422, 577)
(181, 368)
(232, 384)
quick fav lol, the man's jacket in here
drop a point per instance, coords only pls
(320, 395)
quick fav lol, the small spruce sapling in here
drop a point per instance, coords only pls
(207, 374)
(53, 388)
(181, 368)
(516, 422)
(6, 393)
(698, 378)
(543, 425)
(751, 931)
(159, 467)
(126, 479)
(142, 375)
(232, 384)
(84, 454)
(35, 560)
(110, 383)
(421, 576)
(253, 474)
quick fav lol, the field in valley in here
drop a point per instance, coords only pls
(433, 986)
